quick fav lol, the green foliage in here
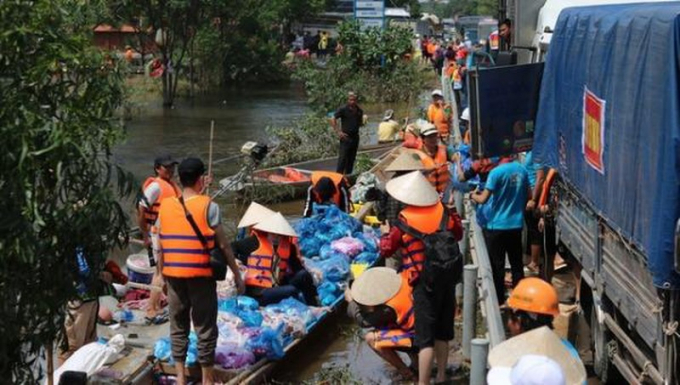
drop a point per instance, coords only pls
(372, 64)
(307, 138)
(60, 188)
(247, 44)
(463, 8)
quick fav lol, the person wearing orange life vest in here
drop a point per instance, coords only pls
(275, 269)
(435, 158)
(435, 303)
(439, 114)
(327, 188)
(411, 137)
(185, 264)
(382, 299)
(154, 190)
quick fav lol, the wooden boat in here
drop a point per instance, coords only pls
(291, 181)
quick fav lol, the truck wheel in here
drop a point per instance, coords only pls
(603, 346)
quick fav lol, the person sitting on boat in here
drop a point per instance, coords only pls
(411, 136)
(327, 188)
(154, 190)
(275, 269)
(435, 157)
(382, 299)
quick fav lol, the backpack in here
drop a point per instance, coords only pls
(443, 260)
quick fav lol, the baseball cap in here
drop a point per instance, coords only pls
(437, 93)
(164, 160)
(531, 369)
(191, 166)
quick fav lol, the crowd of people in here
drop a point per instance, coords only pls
(511, 193)
(408, 303)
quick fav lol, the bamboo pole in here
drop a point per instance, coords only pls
(50, 364)
(210, 153)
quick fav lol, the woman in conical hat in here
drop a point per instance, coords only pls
(382, 299)
(246, 242)
(275, 269)
(434, 301)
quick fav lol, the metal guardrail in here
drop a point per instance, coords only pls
(490, 307)
(487, 295)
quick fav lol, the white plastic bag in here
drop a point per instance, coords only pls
(91, 357)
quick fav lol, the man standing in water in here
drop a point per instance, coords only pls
(351, 118)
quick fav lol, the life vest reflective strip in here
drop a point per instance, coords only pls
(183, 253)
(426, 220)
(494, 41)
(168, 190)
(438, 167)
(260, 262)
(547, 184)
(337, 179)
(439, 118)
(402, 304)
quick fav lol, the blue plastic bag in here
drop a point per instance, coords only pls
(293, 307)
(246, 308)
(267, 344)
(366, 257)
(329, 292)
(334, 269)
(162, 350)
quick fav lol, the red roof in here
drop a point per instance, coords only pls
(125, 28)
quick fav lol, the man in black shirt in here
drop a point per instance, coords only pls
(351, 118)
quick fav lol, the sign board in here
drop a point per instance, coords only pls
(503, 106)
(592, 137)
(370, 13)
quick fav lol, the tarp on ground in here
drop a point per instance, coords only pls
(609, 120)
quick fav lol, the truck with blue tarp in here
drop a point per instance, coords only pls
(608, 121)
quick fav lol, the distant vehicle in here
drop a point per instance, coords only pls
(476, 28)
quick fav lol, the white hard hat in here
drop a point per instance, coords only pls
(466, 114)
(437, 93)
(428, 129)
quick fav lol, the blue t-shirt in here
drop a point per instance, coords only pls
(531, 167)
(508, 184)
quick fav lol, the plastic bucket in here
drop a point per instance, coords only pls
(138, 268)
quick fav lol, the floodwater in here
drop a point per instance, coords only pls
(241, 115)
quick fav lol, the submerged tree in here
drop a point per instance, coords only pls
(60, 189)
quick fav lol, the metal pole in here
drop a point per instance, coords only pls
(465, 242)
(469, 307)
(480, 352)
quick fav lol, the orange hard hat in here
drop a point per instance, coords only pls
(536, 296)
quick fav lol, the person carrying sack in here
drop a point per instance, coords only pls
(186, 266)
(426, 235)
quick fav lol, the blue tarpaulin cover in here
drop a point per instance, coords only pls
(616, 69)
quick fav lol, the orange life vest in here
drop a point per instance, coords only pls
(168, 190)
(427, 221)
(183, 253)
(337, 179)
(402, 304)
(438, 167)
(439, 118)
(261, 262)
(547, 184)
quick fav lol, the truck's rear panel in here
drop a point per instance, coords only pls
(609, 121)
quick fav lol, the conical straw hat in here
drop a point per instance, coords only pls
(276, 224)
(413, 189)
(543, 342)
(254, 214)
(376, 286)
(406, 161)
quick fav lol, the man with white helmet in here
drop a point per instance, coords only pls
(439, 114)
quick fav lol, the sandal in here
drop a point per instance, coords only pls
(158, 319)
